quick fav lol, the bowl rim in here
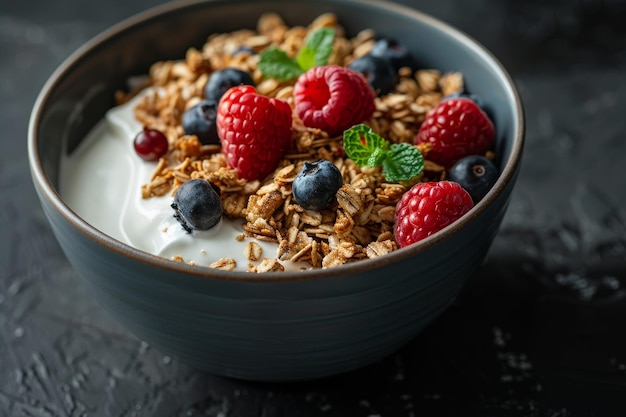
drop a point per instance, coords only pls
(48, 192)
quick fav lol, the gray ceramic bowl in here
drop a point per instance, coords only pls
(278, 326)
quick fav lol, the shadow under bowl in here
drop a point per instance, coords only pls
(274, 326)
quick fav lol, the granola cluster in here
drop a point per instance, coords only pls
(360, 224)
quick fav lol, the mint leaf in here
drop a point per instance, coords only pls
(402, 162)
(317, 49)
(364, 146)
(275, 63)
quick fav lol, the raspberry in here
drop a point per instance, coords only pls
(255, 131)
(427, 208)
(333, 98)
(456, 128)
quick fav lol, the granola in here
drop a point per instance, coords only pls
(360, 224)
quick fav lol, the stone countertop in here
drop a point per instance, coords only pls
(538, 331)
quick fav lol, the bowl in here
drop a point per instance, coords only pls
(281, 326)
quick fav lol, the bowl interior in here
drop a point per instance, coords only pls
(80, 92)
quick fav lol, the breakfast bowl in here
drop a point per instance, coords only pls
(276, 325)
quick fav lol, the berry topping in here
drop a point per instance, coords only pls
(378, 72)
(456, 128)
(476, 174)
(315, 187)
(428, 207)
(197, 205)
(333, 98)
(199, 120)
(394, 52)
(255, 131)
(221, 80)
(150, 144)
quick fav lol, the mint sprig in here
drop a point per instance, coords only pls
(275, 63)
(317, 48)
(400, 161)
(364, 146)
(403, 162)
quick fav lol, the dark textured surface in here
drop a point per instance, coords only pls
(539, 330)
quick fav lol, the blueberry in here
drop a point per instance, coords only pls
(199, 120)
(394, 52)
(315, 187)
(222, 80)
(476, 174)
(197, 205)
(243, 49)
(377, 71)
(464, 94)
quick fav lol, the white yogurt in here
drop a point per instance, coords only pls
(101, 181)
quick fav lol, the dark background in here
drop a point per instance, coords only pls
(539, 331)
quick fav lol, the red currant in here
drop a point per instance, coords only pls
(150, 144)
